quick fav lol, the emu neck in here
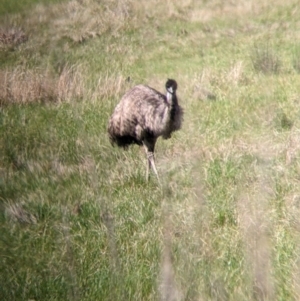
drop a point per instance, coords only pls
(172, 101)
(171, 98)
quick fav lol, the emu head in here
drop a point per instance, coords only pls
(171, 86)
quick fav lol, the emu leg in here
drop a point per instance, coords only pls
(149, 148)
(151, 163)
(148, 166)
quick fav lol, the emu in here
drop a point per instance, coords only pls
(144, 114)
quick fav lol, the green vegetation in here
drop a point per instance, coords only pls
(78, 221)
(16, 6)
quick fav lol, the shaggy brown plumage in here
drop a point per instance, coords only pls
(143, 115)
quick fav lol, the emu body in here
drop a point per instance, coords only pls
(144, 114)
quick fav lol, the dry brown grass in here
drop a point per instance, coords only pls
(109, 86)
(27, 86)
(17, 213)
(82, 20)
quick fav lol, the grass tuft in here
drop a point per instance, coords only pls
(25, 86)
(265, 60)
(11, 38)
(17, 213)
(283, 122)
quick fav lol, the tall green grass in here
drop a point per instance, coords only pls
(78, 221)
(14, 6)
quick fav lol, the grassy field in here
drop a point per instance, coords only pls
(78, 221)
